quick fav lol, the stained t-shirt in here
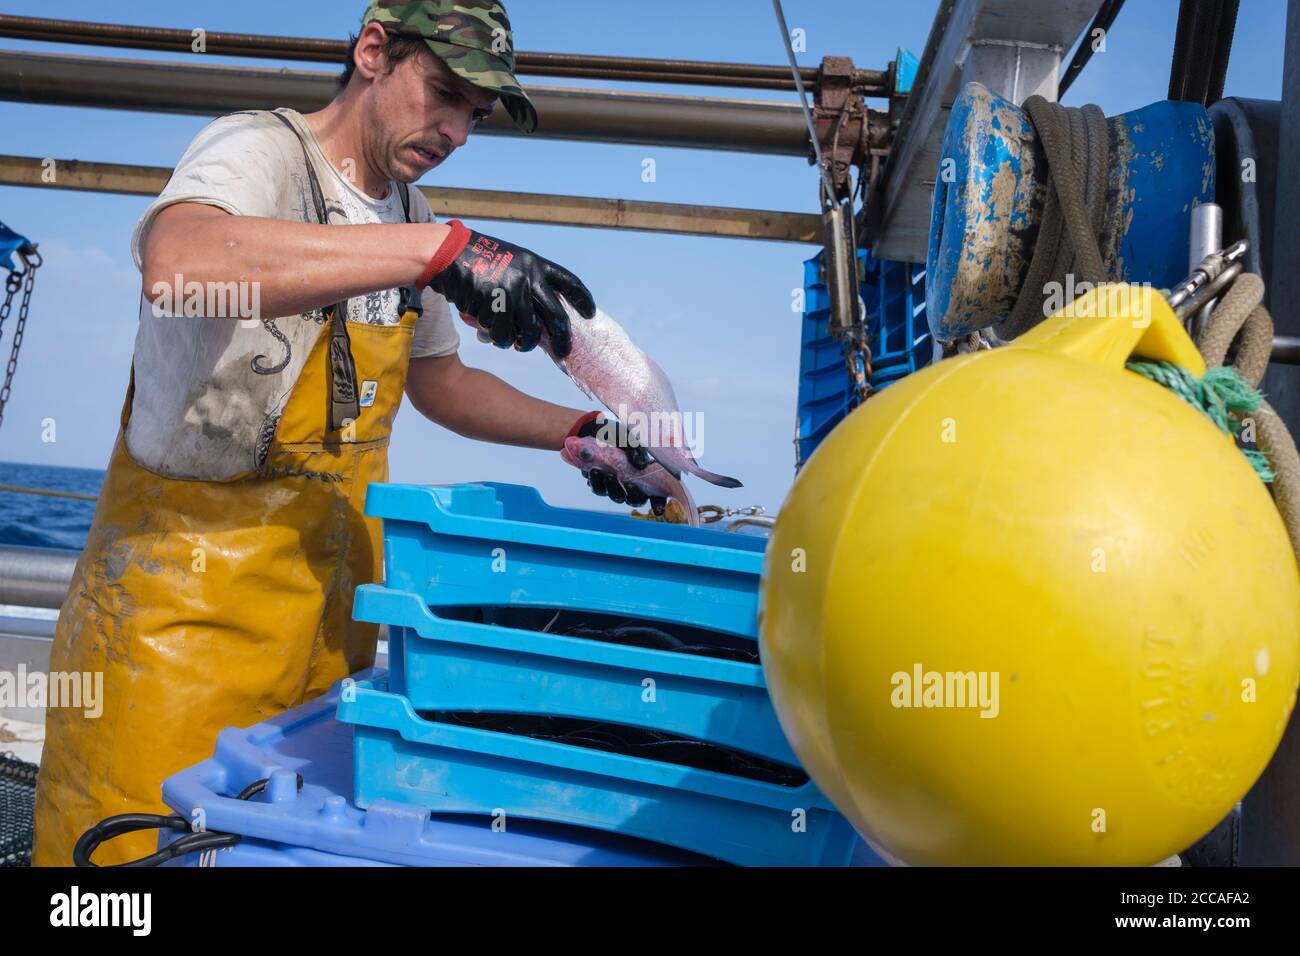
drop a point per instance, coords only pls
(209, 391)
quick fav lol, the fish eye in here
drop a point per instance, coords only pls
(586, 454)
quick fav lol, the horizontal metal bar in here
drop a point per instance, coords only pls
(718, 221)
(1286, 350)
(76, 174)
(181, 41)
(493, 204)
(621, 68)
(681, 79)
(35, 577)
(592, 115)
(561, 64)
(48, 492)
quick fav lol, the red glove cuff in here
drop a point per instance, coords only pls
(577, 426)
(451, 247)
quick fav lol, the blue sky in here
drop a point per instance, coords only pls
(715, 313)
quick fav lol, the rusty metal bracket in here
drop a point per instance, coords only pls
(842, 122)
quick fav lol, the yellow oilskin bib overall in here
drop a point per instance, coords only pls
(209, 604)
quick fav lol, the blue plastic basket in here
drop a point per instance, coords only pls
(448, 768)
(893, 298)
(484, 545)
(897, 330)
(318, 825)
(262, 853)
(825, 390)
(451, 665)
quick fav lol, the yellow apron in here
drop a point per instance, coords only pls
(209, 604)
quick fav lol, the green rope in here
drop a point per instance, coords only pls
(1221, 395)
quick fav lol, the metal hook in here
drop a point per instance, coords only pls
(1207, 270)
(29, 257)
(718, 512)
(1209, 291)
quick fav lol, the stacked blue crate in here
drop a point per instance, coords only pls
(303, 815)
(466, 565)
(897, 331)
(893, 299)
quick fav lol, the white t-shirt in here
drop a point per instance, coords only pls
(201, 410)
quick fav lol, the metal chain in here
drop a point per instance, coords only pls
(26, 281)
(857, 361)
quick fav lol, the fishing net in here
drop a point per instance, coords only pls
(17, 801)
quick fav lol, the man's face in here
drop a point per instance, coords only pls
(419, 114)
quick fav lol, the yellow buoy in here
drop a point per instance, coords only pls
(1027, 607)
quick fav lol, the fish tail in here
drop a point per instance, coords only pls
(687, 502)
(722, 481)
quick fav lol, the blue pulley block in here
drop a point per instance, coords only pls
(10, 243)
(991, 186)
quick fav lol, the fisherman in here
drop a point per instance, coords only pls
(216, 585)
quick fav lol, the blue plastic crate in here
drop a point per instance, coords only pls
(319, 825)
(893, 299)
(448, 768)
(450, 665)
(490, 544)
(825, 392)
(897, 330)
(262, 853)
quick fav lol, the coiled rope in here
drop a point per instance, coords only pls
(1076, 144)
(1241, 321)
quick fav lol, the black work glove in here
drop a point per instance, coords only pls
(606, 483)
(526, 302)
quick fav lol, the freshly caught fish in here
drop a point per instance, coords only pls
(654, 480)
(607, 365)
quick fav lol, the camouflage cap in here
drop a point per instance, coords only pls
(471, 36)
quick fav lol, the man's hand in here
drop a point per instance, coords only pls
(511, 290)
(606, 483)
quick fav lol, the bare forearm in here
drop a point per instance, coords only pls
(477, 404)
(297, 266)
